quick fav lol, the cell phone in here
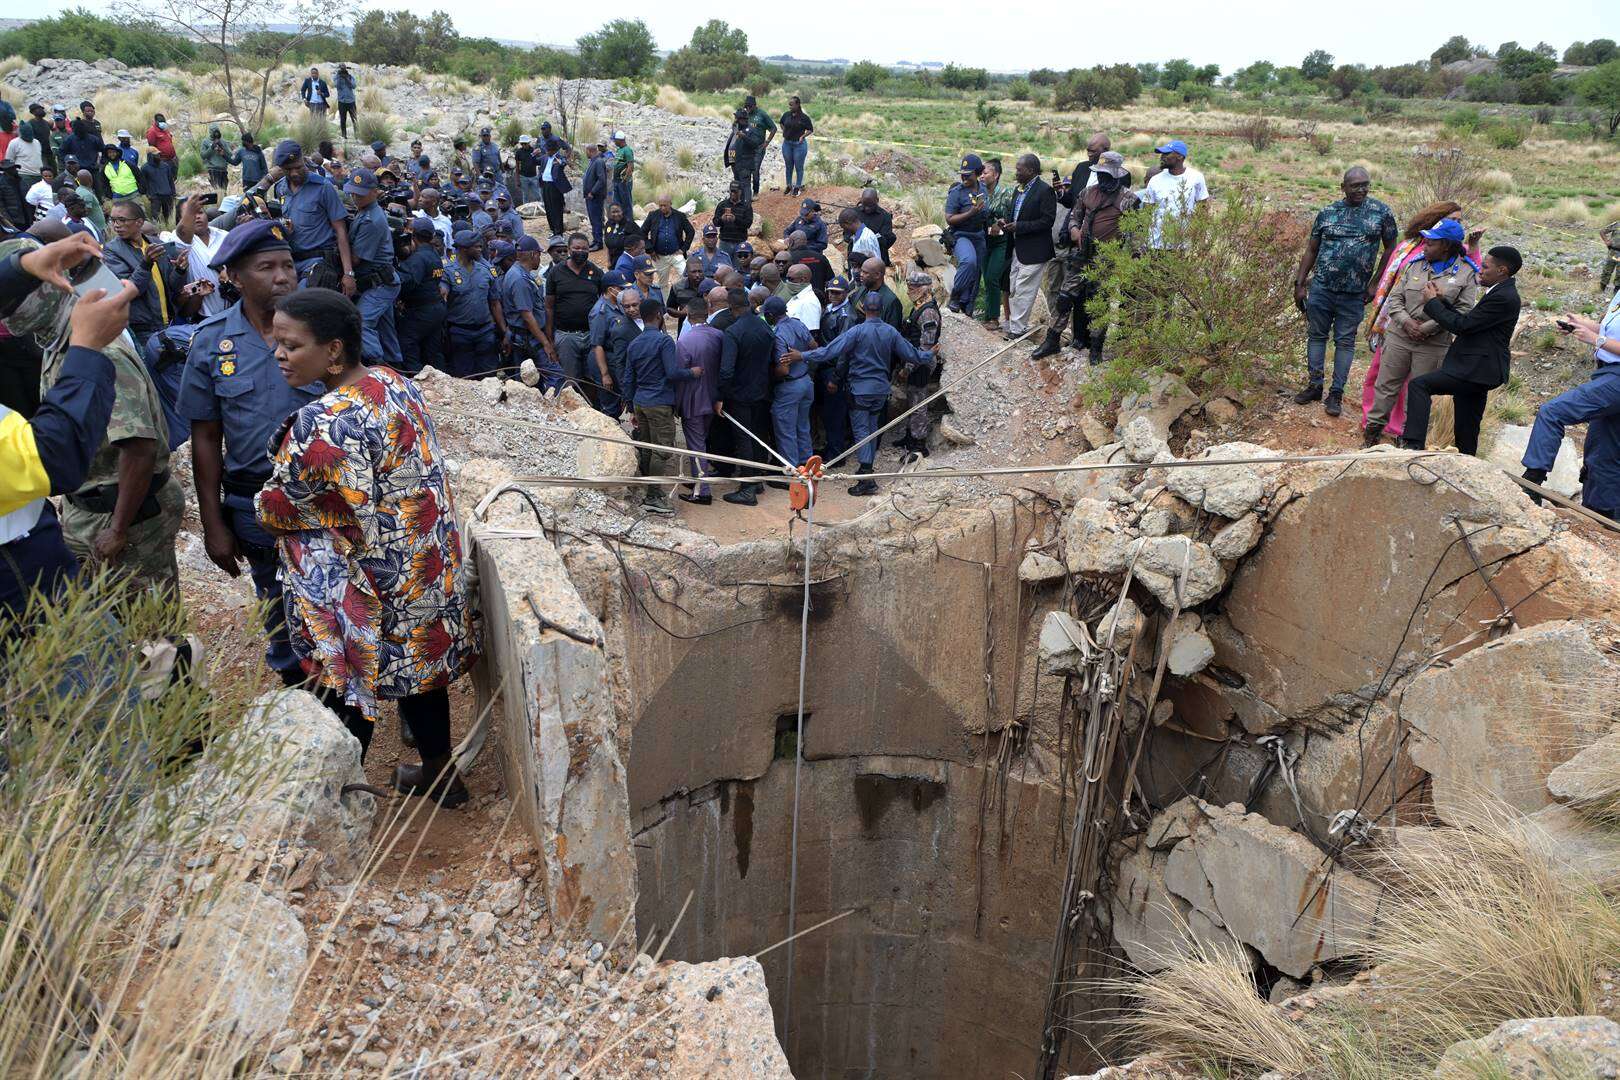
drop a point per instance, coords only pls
(1564, 325)
(208, 198)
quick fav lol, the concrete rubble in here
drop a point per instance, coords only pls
(1549, 1048)
(723, 1015)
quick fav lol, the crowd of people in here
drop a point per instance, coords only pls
(279, 328)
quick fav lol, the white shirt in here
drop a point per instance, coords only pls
(1609, 327)
(1175, 196)
(29, 156)
(865, 243)
(204, 246)
(806, 308)
(41, 197)
(446, 230)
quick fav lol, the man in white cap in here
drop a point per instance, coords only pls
(624, 174)
(131, 156)
(527, 160)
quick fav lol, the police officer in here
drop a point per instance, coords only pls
(967, 212)
(235, 398)
(523, 303)
(922, 331)
(421, 302)
(832, 397)
(372, 245)
(486, 156)
(477, 333)
(504, 212)
(320, 228)
(608, 343)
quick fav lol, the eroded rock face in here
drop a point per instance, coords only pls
(1590, 781)
(1496, 723)
(1538, 1049)
(722, 1019)
(235, 971)
(298, 757)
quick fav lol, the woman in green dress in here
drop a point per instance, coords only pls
(993, 299)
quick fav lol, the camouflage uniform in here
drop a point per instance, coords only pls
(137, 414)
(922, 330)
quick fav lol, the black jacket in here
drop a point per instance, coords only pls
(1032, 229)
(1479, 353)
(734, 231)
(746, 359)
(683, 232)
(881, 222)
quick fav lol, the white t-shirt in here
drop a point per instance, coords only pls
(1173, 196)
(29, 156)
(866, 243)
(41, 197)
(806, 308)
(204, 246)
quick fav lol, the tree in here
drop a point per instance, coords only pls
(1515, 62)
(718, 38)
(1175, 73)
(1601, 87)
(81, 35)
(1588, 53)
(402, 37)
(1149, 74)
(1087, 89)
(1455, 48)
(1207, 75)
(986, 113)
(217, 25)
(1256, 78)
(1317, 65)
(1347, 80)
(964, 78)
(1044, 77)
(623, 49)
(864, 75)
(716, 57)
(1406, 80)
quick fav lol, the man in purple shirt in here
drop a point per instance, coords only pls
(700, 347)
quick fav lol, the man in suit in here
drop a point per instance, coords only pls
(1034, 209)
(747, 355)
(1478, 358)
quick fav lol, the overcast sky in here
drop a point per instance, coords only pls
(1021, 34)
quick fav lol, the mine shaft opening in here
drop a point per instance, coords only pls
(923, 811)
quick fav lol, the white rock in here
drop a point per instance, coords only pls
(1120, 622)
(1237, 539)
(1038, 567)
(1062, 639)
(505, 896)
(1508, 452)
(1142, 441)
(493, 389)
(529, 373)
(1094, 540)
(1190, 648)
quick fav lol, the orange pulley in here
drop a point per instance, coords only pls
(799, 489)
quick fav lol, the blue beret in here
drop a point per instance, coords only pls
(527, 243)
(466, 238)
(250, 238)
(285, 151)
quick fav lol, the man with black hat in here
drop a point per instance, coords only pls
(879, 220)
(320, 228)
(236, 400)
(421, 302)
(742, 155)
(526, 160)
(968, 215)
(1092, 220)
(595, 189)
(376, 282)
(525, 309)
(862, 358)
(573, 284)
(40, 125)
(764, 130)
(475, 324)
(809, 222)
(922, 331)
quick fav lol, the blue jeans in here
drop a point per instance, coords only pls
(379, 341)
(1341, 312)
(969, 251)
(473, 351)
(595, 209)
(790, 417)
(1595, 403)
(865, 417)
(529, 186)
(622, 194)
(259, 547)
(793, 155)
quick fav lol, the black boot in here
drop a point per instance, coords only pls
(1096, 351)
(1050, 345)
(406, 736)
(863, 487)
(1334, 405)
(436, 778)
(1312, 392)
(1373, 434)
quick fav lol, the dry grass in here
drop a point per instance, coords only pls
(587, 129)
(671, 99)
(1506, 209)
(652, 173)
(1567, 211)
(132, 109)
(523, 89)
(1496, 182)
(373, 100)
(685, 158)
(1477, 926)
(10, 64)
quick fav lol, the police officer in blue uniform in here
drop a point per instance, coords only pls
(967, 212)
(523, 303)
(235, 398)
(421, 302)
(608, 341)
(372, 244)
(476, 327)
(505, 213)
(320, 232)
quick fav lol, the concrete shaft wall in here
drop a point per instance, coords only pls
(942, 969)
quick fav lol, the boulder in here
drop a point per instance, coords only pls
(1229, 491)
(529, 373)
(1162, 404)
(232, 977)
(1507, 450)
(930, 252)
(1072, 486)
(722, 1019)
(1271, 889)
(1237, 539)
(1126, 614)
(1094, 540)
(1095, 431)
(1190, 649)
(1143, 444)
(1038, 567)
(1582, 849)
(279, 776)
(1221, 410)
(1496, 723)
(1062, 641)
(1548, 1048)
(1151, 1067)
(1153, 925)
(1590, 780)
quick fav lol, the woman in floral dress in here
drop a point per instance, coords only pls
(379, 605)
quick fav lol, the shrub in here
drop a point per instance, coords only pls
(1506, 136)
(1442, 173)
(986, 113)
(80, 35)
(1464, 119)
(1020, 90)
(1094, 88)
(1321, 142)
(309, 129)
(964, 78)
(1259, 131)
(624, 47)
(864, 75)
(377, 126)
(1209, 310)
(1496, 182)
(685, 158)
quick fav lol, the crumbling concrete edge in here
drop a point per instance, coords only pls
(544, 656)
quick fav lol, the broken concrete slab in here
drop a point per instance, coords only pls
(1143, 444)
(1062, 643)
(1578, 846)
(1166, 560)
(595, 457)
(1590, 781)
(1237, 539)
(1189, 648)
(1272, 889)
(1095, 538)
(1073, 486)
(1116, 627)
(1507, 451)
(722, 1020)
(1162, 404)
(1543, 1048)
(1495, 724)
(1229, 491)
(929, 251)
(1039, 568)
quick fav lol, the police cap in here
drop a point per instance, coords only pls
(250, 238)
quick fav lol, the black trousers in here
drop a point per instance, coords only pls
(346, 117)
(742, 171)
(427, 715)
(421, 337)
(756, 417)
(553, 200)
(1469, 398)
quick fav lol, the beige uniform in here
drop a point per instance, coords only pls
(1405, 356)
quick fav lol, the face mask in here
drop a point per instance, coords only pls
(1107, 182)
(579, 258)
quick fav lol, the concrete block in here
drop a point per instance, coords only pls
(1062, 638)
(1039, 567)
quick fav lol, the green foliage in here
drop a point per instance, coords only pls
(1045, 77)
(310, 128)
(1592, 53)
(964, 78)
(1087, 89)
(1317, 65)
(1256, 78)
(1177, 72)
(1404, 80)
(1514, 62)
(864, 75)
(1464, 119)
(624, 47)
(310, 49)
(484, 61)
(716, 58)
(1600, 87)
(1020, 90)
(1210, 309)
(402, 37)
(986, 113)
(1540, 89)
(1455, 48)
(78, 34)
(1491, 86)
(1149, 74)
(1348, 80)
(1506, 136)
(370, 127)
(717, 38)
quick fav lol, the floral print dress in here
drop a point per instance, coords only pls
(379, 604)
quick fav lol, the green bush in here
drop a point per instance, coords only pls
(1506, 136)
(622, 47)
(1464, 119)
(864, 75)
(1020, 90)
(374, 127)
(1094, 88)
(309, 129)
(81, 35)
(964, 78)
(1208, 308)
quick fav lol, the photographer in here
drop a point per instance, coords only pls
(1595, 403)
(157, 278)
